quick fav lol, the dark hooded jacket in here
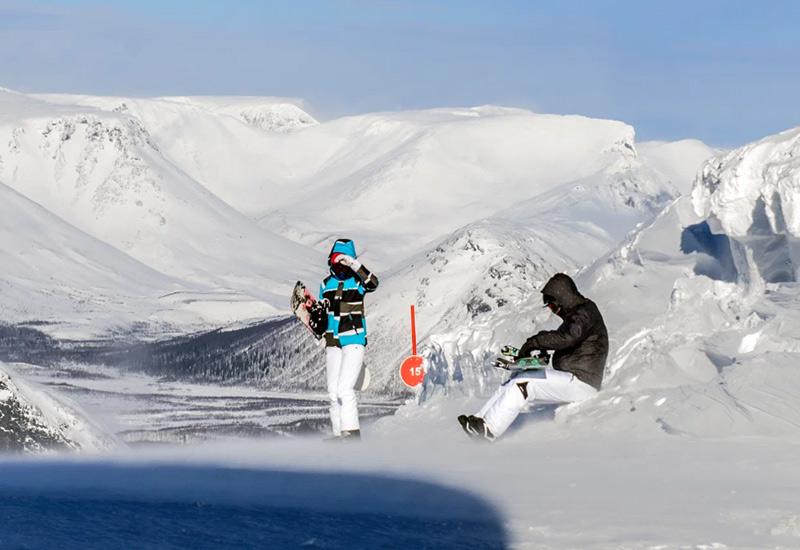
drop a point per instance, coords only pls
(581, 342)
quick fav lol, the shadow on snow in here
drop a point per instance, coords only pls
(97, 505)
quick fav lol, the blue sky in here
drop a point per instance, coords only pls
(726, 72)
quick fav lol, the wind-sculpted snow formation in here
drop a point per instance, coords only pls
(752, 195)
(701, 343)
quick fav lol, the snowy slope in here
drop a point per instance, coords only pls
(32, 420)
(53, 272)
(692, 350)
(397, 180)
(478, 289)
(103, 173)
(710, 347)
(471, 290)
(272, 114)
(77, 286)
(401, 180)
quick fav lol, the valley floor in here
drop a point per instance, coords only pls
(141, 409)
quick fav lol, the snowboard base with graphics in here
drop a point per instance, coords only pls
(311, 312)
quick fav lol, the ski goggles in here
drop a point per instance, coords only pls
(340, 271)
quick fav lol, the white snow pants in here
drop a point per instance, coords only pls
(344, 367)
(543, 386)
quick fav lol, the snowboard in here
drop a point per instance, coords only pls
(313, 314)
(511, 361)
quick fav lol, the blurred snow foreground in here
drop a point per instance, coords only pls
(692, 443)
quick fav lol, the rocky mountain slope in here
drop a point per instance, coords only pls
(32, 420)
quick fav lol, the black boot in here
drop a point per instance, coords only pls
(477, 428)
(474, 427)
(463, 419)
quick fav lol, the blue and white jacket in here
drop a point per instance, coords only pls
(345, 295)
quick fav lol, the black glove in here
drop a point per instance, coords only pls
(528, 348)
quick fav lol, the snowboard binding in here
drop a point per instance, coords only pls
(511, 360)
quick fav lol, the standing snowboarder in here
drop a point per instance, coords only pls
(581, 349)
(346, 334)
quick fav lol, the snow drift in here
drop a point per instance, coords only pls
(752, 195)
(712, 344)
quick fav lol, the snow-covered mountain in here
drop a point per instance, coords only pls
(102, 172)
(478, 288)
(237, 148)
(76, 286)
(55, 273)
(32, 420)
(176, 184)
(464, 212)
(402, 181)
(397, 180)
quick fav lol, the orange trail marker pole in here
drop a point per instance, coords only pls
(412, 372)
(413, 331)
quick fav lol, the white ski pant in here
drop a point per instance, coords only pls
(543, 386)
(344, 367)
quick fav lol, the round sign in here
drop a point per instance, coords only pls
(411, 371)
